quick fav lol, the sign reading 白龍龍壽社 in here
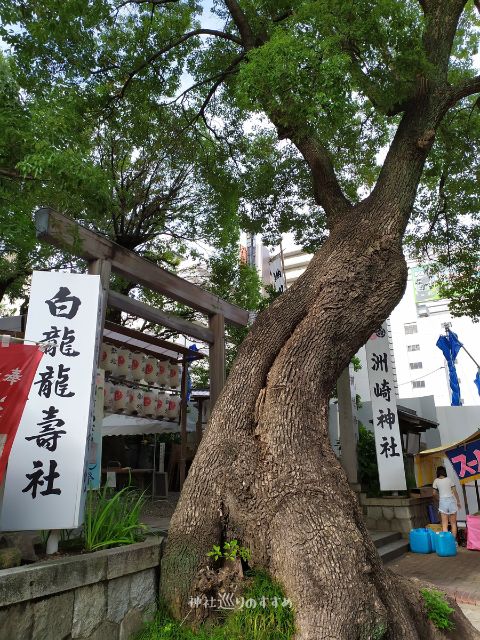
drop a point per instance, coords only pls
(47, 476)
(388, 441)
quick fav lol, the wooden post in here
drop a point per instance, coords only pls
(465, 499)
(348, 437)
(198, 426)
(103, 269)
(217, 357)
(183, 424)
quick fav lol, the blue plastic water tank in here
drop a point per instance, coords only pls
(433, 538)
(446, 545)
(420, 541)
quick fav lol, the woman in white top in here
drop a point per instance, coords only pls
(449, 502)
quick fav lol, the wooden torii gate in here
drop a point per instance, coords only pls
(104, 257)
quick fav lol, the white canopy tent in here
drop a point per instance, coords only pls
(117, 424)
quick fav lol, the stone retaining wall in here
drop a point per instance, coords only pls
(391, 513)
(106, 595)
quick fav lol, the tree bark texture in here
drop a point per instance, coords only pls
(265, 472)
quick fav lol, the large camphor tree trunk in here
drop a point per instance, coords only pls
(265, 472)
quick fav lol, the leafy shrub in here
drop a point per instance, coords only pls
(112, 518)
(438, 609)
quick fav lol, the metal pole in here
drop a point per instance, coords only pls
(471, 357)
(198, 426)
(154, 466)
(183, 424)
(283, 265)
(478, 495)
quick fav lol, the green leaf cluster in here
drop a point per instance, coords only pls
(229, 551)
(438, 609)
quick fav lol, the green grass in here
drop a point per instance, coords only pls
(112, 518)
(267, 622)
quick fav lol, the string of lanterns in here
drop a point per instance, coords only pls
(137, 384)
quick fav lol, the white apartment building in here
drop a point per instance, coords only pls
(415, 325)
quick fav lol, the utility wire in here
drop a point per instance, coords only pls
(421, 377)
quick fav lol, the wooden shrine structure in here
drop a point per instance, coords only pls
(105, 257)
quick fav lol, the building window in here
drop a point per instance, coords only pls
(416, 365)
(413, 347)
(411, 328)
(418, 384)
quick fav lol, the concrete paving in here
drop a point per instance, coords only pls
(472, 613)
(458, 576)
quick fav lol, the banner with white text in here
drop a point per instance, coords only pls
(18, 364)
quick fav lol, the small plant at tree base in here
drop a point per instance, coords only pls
(438, 609)
(230, 551)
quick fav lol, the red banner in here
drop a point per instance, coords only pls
(18, 365)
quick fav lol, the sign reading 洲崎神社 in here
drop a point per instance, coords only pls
(277, 274)
(47, 476)
(388, 442)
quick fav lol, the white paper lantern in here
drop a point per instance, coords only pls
(163, 373)
(124, 357)
(137, 366)
(138, 401)
(120, 397)
(162, 402)
(149, 403)
(174, 376)
(104, 356)
(151, 370)
(130, 406)
(108, 396)
(109, 363)
(173, 407)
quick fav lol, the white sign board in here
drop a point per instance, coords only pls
(47, 474)
(277, 275)
(388, 441)
(353, 396)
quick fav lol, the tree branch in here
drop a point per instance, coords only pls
(16, 175)
(371, 90)
(441, 21)
(191, 34)
(464, 89)
(327, 191)
(242, 24)
(155, 3)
